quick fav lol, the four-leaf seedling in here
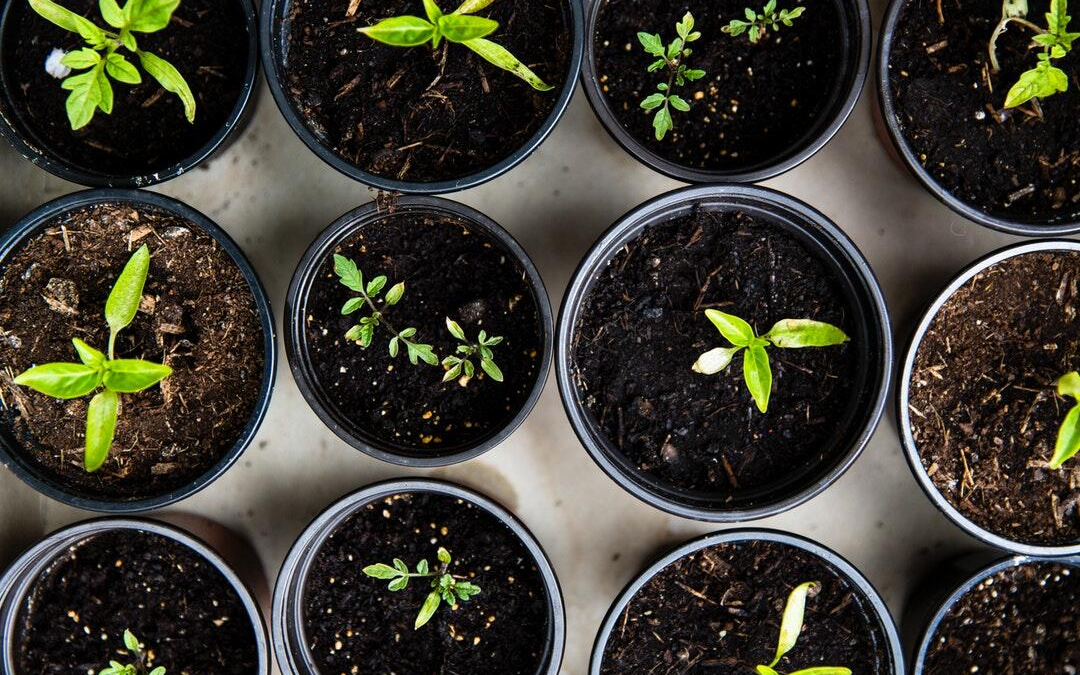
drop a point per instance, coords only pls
(1068, 439)
(757, 24)
(131, 643)
(1045, 79)
(791, 625)
(785, 334)
(458, 365)
(672, 58)
(459, 27)
(445, 587)
(116, 376)
(91, 90)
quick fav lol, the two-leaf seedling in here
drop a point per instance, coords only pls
(116, 376)
(1045, 79)
(1068, 439)
(459, 27)
(91, 89)
(785, 334)
(791, 625)
(672, 58)
(445, 587)
(458, 365)
(757, 24)
(131, 643)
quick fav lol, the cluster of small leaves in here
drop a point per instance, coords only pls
(458, 27)
(117, 376)
(790, 626)
(458, 365)
(1068, 439)
(757, 24)
(445, 587)
(785, 334)
(1045, 79)
(91, 89)
(131, 643)
(670, 57)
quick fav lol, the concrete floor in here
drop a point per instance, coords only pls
(274, 197)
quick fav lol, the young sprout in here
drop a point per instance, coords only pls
(1045, 79)
(458, 27)
(364, 332)
(115, 376)
(1068, 439)
(785, 334)
(790, 626)
(131, 643)
(456, 365)
(670, 57)
(445, 587)
(758, 25)
(101, 59)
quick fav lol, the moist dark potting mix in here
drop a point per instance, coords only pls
(450, 269)
(414, 114)
(950, 109)
(643, 324)
(207, 41)
(197, 316)
(983, 406)
(756, 102)
(355, 625)
(187, 615)
(1020, 620)
(717, 611)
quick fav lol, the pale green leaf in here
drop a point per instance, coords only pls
(348, 273)
(376, 285)
(401, 31)
(758, 376)
(381, 571)
(111, 12)
(148, 16)
(68, 20)
(734, 329)
(662, 123)
(170, 79)
(84, 99)
(394, 294)
(122, 70)
(128, 376)
(443, 555)
(106, 102)
(126, 294)
(1068, 439)
(715, 360)
(491, 369)
(455, 329)
(88, 355)
(500, 57)
(653, 101)
(792, 622)
(1069, 385)
(130, 641)
(100, 428)
(351, 305)
(431, 8)
(61, 380)
(472, 6)
(459, 28)
(428, 609)
(797, 333)
(651, 43)
(81, 58)
(823, 670)
(765, 670)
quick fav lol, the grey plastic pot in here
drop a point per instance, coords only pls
(290, 642)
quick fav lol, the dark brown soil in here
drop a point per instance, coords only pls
(416, 114)
(1011, 166)
(757, 102)
(198, 316)
(449, 269)
(207, 41)
(984, 411)
(718, 611)
(643, 325)
(1020, 620)
(354, 624)
(186, 614)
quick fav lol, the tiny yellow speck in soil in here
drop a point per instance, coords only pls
(385, 513)
(426, 415)
(698, 95)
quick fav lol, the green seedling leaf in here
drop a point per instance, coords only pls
(376, 285)
(148, 16)
(715, 360)
(393, 296)
(431, 604)
(1068, 438)
(160, 670)
(662, 123)
(170, 80)
(653, 101)
(128, 376)
(758, 376)
(792, 622)
(61, 380)
(111, 12)
(100, 428)
(798, 333)
(498, 56)
(352, 305)
(69, 21)
(433, 12)
(460, 27)
(734, 329)
(126, 294)
(472, 6)
(85, 98)
(381, 571)
(822, 670)
(81, 58)
(443, 555)
(455, 329)
(131, 643)
(348, 274)
(401, 31)
(88, 355)
(122, 70)
(491, 369)
(652, 43)
(765, 670)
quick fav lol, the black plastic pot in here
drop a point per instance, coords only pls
(33, 148)
(290, 643)
(1023, 227)
(903, 412)
(873, 339)
(21, 575)
(10, 455)
(274, 29)
(296, 347)
(894, 653)
(856, 30)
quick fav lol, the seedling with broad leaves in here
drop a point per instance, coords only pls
(110, 375)
(757, 24)
(140, 667)
(672, 59)
(785, 334)
(363, 333)
(1068, 438)
(456, 366)
(458, 27)
(791, 625)
(102, 58)
(445, 587)
(1045, 79)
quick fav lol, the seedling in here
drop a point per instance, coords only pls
(1068, 439)
(785, 334)
(1045, 79)
(456, 365)
(91, 89)
(670, 57)
(790, 626)
(445, 587)
(363, 333)
(757, 25)
(131, 643)
(459, 27)
(114, 376)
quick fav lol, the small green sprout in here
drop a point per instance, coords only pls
(363, 333)
(91, 90)
(1068, 439)
(1045, 79)
(131, 643)
(790, 626)
(117, 376)
(785, 334)
(445, 587)
(670, 57)
(457, 27)
(758, 25)
(456, 365)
